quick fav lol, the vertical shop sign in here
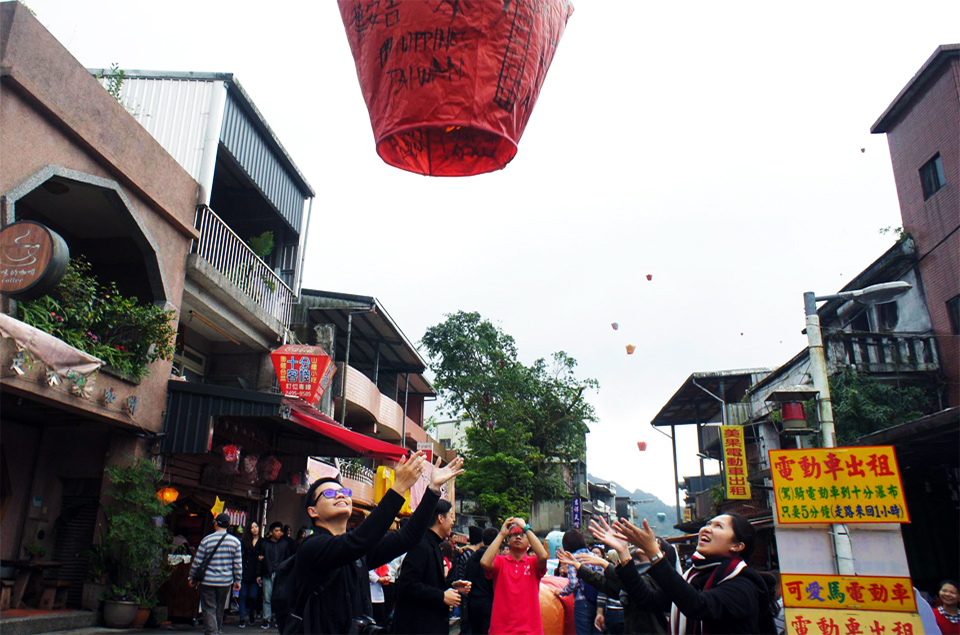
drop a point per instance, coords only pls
(735, 463)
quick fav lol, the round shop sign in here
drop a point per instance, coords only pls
(33, 259)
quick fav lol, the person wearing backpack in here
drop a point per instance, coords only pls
(331, 567)
(217, 566)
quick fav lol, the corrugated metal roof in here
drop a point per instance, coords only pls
(175, 113)
(174, 108)
(251, 150)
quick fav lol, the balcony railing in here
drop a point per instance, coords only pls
(228, 254)
(359, 478)
(883, 352)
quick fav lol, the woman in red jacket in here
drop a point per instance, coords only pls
(948, 618)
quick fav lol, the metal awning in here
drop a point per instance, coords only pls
(692, 404)
(375, 341)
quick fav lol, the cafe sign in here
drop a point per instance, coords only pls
(303, 371)
(838, 485)
(33, 259)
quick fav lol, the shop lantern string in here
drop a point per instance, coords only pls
(270, 468)
(231, 459)
(450, 86)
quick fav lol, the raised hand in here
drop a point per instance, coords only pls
(643, 537)
(565, 557)
(605, 534)
(407, 472)
(589, 558)
(441, 475)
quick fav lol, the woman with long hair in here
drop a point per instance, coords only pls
(250, 584)
(585, 596)
(720, 593)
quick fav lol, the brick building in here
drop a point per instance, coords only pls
(923, 130)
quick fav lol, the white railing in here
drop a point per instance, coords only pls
(232, 257)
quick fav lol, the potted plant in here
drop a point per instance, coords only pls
(136, 532)
(35, 551)
(119, 606)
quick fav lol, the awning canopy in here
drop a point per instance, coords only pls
(366, 447)
(698, 400)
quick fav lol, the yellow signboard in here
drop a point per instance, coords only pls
(735, 463)
(871, 593)
(826, 622)
(838, 485)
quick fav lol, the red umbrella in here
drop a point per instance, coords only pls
(450, 86)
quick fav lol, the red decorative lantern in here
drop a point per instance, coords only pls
(270, 468)
(168, 495)
(450, 86)
(303, 371)
(642, 446)
(793, 415)
(231, 459)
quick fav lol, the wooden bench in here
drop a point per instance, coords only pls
(5, 594)
(54, 595)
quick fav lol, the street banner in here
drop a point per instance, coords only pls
(838, 485)
(576, 512)
(827, 622)
(303, 371)
(735, 463)
(427, 448)
(869, 593)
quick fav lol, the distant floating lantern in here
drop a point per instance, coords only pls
(614, 325)
(168, 494)
(630, 349)
(642, 446)
(450, 86)
(649, 277)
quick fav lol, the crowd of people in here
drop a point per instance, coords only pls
(371, 579)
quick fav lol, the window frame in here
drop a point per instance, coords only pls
(931, 173)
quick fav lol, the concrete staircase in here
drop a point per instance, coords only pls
(47, 622)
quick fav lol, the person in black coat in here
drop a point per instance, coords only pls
(339, 561)
(718, 594)
(481, 589)
(423, 599)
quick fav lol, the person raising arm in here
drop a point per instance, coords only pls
(516, 579)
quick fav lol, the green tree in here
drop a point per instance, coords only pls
(528, 420)
(862, 404)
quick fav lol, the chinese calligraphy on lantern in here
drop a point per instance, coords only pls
(826, 622)
(303, 371)
(838, 485)
(735, 462)
(872, 593)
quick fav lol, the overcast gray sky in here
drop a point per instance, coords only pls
(713, 145)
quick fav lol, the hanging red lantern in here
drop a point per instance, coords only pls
(231, 459)
(270, 468)
(168, 494)
(450, 86)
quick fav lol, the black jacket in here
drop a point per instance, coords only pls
(733, 606)
(251, 560)
(420, 588)
(273, 554)
(636, 618)
(481, 590)
(341, 563)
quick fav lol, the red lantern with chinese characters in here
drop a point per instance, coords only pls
(303, 371)
(231, 459)
(450, 86)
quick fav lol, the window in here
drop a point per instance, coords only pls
(190, 363)
(931, 176)
(953, 310)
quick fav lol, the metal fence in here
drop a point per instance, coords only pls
(228, 254)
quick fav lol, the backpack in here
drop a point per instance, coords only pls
(289, 600)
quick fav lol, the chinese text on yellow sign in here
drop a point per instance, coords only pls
(869, 593)
(838, 485)
(826, 622)
(735, 461)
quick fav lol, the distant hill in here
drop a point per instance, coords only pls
(648, 510)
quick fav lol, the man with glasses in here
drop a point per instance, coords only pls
(332, 565)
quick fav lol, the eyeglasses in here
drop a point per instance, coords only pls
(332, 493)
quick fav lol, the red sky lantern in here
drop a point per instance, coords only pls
(168, 494)
(450, 86)
(303, 371)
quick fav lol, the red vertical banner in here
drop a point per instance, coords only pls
(735, 463)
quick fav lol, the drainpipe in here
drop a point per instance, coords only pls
(303, 247)
(211, 142)
(346, 364)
